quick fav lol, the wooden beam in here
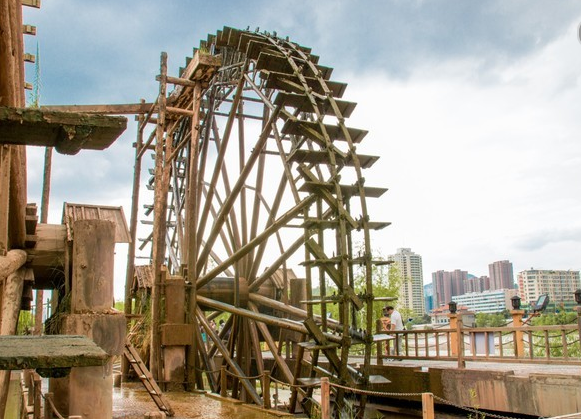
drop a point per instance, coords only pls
(67, 132)
(112, 109)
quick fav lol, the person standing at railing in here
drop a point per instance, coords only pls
(396, 324)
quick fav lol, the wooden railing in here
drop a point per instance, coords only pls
(528, 344)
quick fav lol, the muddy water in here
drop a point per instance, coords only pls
(132, 402)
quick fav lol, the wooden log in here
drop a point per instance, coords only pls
(17, 209)
(8, 323)
(13, 260)
(5, 155)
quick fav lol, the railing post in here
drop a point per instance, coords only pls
(37, 395)
(578, 310)
(325, 398)
(47, 406)
(223, 382)
(428, 406)
(380, 343)
(454, 334)
(460, 341)
(519, 345)
(266, 389)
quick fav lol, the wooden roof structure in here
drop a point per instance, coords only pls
(75, 212)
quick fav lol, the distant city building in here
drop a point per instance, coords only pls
(447, 284)
(429, 298)
(501, 276)
(411, 294)
(559, 285)
(492, 301)
(474, 284)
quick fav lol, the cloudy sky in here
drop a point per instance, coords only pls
(474, 108)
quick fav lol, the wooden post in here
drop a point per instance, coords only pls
(519, 347)
(47, 405)
(379, 329)
(159, 225)
(223, 382)
(191, 237)
(9, 315)
(5, 154)
(460, 343)
(428, 406)
(266, 389)
(325, 398)
(129, 273)
(453, 335)
(37, 386)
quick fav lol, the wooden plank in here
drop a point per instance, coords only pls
(67, 132)
(313, 130)
(322, 157)
(112, 109)
(49, 351)
(291, 83)
(303, 104)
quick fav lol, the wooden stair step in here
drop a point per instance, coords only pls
(346, 190)
(314, 346)
(322, 157)
(313, 131)
(331, 224)
(280, 64)
(291, 83)
(302, 103)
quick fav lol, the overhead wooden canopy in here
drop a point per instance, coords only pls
(67, 132)
(47, 352)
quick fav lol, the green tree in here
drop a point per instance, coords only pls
(490, 320)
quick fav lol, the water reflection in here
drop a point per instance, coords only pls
(132, 401)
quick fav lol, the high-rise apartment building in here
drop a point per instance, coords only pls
(559, 285)
(501, 276)
(411, 293)
(474, 284)
(429, 297)
(447, 284)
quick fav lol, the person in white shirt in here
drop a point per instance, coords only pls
(396, 324)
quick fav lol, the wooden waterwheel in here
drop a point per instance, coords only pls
(262, 176)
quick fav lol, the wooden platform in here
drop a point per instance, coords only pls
(68, 132)
(56, 351)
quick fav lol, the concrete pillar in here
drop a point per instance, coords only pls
(519, 346)
(87, 391)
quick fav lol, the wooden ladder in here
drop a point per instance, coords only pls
(147, 379)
